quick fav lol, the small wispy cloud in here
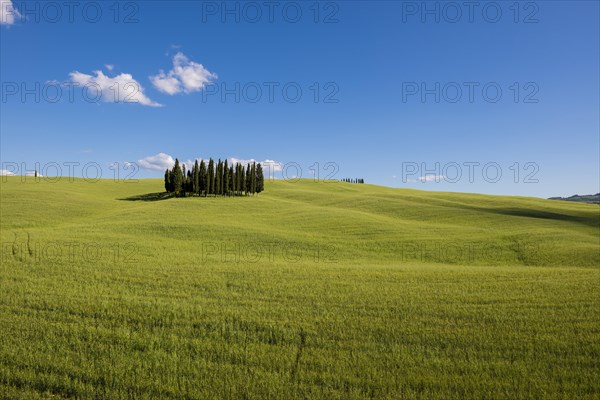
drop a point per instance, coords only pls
(186, 76)
(33, 173)
(428, 178)
(8, 13)
(5, 172)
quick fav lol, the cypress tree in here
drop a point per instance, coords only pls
(177, 178)
(241, 180)
(248, 178)
(210, 177)
(224, 175)
(196, 175)
(236, 171)
(220, 178)
(239, 173)
(215, 179)
(225, 179)
(202, 177)
(231, 178)
(253, 179)
(214, 182)
(167, 180)
(260, 179)
(184, 182)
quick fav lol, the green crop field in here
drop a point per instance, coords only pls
(110, 290)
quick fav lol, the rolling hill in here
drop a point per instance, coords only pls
(310, 290)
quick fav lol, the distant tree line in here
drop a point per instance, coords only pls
(215, 179)
(355, 180)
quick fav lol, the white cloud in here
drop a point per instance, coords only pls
(8, 13)
(185, 76)
(166, 84)
(159, 162)
(269, 166)
(428, 178)
(233, 160)
(109, 67)
(5, 172)
(162, 161)
(277, 166)
(120, 88)
(189, 164)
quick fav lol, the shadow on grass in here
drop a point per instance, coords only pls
(592, 220)
(150, 197)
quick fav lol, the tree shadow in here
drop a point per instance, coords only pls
(150, 197)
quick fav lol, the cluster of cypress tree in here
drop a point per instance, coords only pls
(356, 180)
(215, 178)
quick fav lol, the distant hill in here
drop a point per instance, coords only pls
(588, 198)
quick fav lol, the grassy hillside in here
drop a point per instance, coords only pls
(311, 290)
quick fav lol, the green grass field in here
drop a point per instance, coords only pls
(311, 290)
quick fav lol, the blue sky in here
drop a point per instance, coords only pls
(361, 68)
